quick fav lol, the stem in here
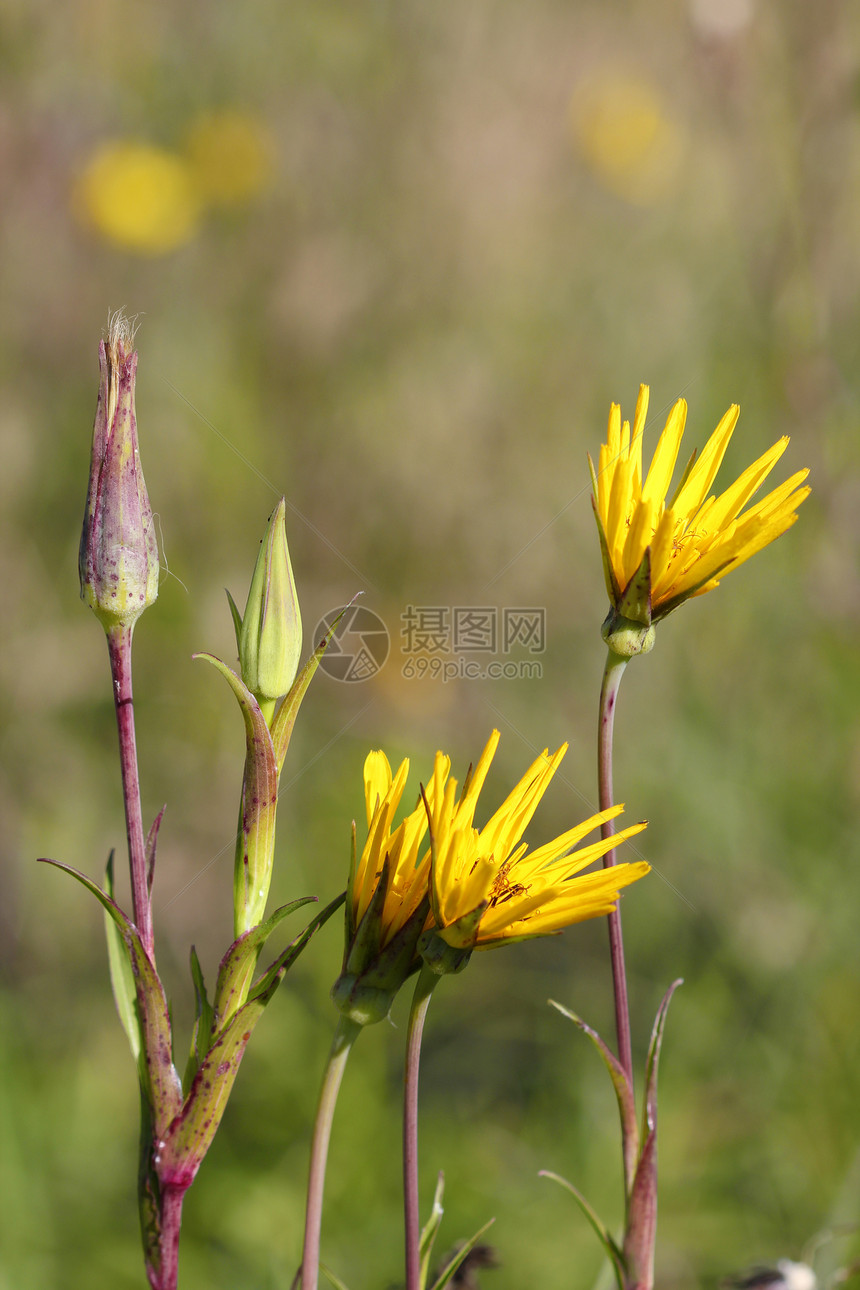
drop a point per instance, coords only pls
(615, 666)
(344, 1037)
(424, 987)
(171, 1222)
(119, 647)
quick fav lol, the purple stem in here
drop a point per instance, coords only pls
(615, 666)
(171, 1222)
(424, 987)
(119, 647)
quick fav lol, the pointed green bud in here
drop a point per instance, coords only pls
(270, 633)
(118, 559)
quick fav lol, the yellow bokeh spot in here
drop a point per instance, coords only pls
(231, 155)
(140, 197)
(627, 137)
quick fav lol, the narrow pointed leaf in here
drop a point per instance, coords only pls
(430, 1230)
(451, 1267)
(202, 1025)
(623, 1092)
(641, 1234)
(332, 1279)
(163, 1087)
(650, 1112)
(256, 843)
(367, 942)
(189, 1136)
(282, 726)
(269, 982)
(121, 975)
(237, 619)
(237, 967)
(612, 586)
(148, 1195)
(149, 850)
(613, 1253)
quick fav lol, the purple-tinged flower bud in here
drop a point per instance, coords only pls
(118, 561)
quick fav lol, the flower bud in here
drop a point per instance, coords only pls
(270, 632)
(118, 559)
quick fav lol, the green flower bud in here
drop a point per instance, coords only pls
(118, 559)
(270, 632)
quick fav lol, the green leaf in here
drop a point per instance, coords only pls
(635, 602)
(641, 1234)
(202, 1023)
(453, 1264)
(255, 844)
(237, 967)
(430, 1230)
(191, 1133)
(623, 1092)
(237, 619)
(121, 975)
(149, 847)
(616, 1258)
(331, 1278)
(161, 1080)
(651, 1065)
(282, 726)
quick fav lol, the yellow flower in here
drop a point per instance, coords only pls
(627, 136)
(485, 889)
(387, 898)
(656, 553)
(231, 154)
(408, 874)
(139, 197)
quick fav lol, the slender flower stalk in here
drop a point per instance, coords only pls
(171, 1224)
(345, 1036)
(612, 675)
(118, 568)
(424, 987)
(119, 646)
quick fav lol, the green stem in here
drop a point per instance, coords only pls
(614, 670)
(424, 987)
(119, 647)
(344, 1037)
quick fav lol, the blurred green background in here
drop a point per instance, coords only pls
(400, 259)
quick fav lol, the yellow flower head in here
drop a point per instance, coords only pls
(231, 154)
(408, 874)
(657, 553)
(387, 898)
(486, 889)
(139, 197)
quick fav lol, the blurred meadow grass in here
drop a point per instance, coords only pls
(457, 233)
